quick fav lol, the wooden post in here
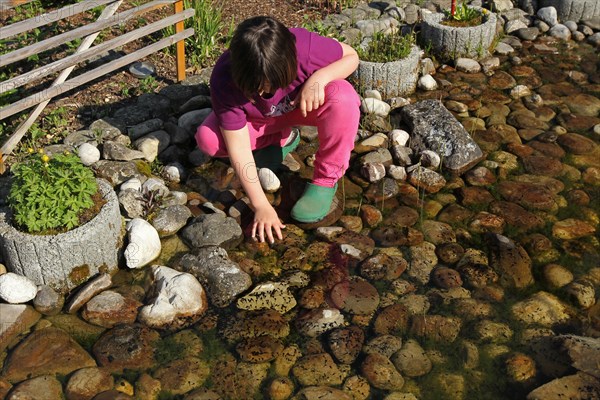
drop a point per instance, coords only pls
(180, 46)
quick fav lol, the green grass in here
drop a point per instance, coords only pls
(207, 43)
(386, 48)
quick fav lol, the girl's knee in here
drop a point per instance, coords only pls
(207, 140)
(341, 92)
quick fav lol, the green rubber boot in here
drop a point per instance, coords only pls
(272, 156)
(314, 204)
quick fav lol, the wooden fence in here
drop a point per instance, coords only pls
(109, 17)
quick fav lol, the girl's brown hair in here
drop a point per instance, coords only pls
(262, 51)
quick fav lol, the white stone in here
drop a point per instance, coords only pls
(427, 82)
(489, 64)
(427, 66)
(179, 294)
(548, 15)
(88, 153)
(399, 137)
(16, 289)
(500, 6)
(430, 159)
(156, 185)
(597, 129)
(560, 31)
(176, 198)
(174, 172)
(144, 243)
(519, 91)
(148, 146)
(374, 106)
(268, 180)
(378, 140)
(514, 25)
(328, 232)
(396, 172)
(572, 25)
(467, 65)
(372, 94)
(133, 184)
(503, 49)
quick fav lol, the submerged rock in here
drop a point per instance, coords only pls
(179, 300)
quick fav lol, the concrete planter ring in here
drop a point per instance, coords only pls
(573, 10)
(449, 42)
(67, 259)
(391, 79)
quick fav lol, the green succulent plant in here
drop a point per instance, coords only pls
(51, 192)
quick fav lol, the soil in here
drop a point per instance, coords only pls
(103, 96)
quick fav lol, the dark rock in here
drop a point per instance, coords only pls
(126, 347)
(212, 230)
(449, 253)
(392, 320)
(387, 236)
(37, 355)
(516, 215)
(510, 261)
(435, 128)
(383, 267)
(346, 343)
(356, 296)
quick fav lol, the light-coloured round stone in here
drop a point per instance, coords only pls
(372, 94)
(268, 180)
(396, 172)
(375, 106)
(548, 15)
(557, 276)
(174, 172)
(519, 91)
(88, 153)
(560, 31)
(16, 289)
(399, 137)
(430, 159)
(2, 269)
(427, 82)
(468, 65)
(133, 183)
(144, 243)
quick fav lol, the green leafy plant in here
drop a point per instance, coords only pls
(386, 48)
(463, 15)
(51, 193)
(202, 48)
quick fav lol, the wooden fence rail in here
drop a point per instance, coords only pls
(109, 17)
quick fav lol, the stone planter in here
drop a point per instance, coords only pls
(65, 260)
(391, 79)
(573, 10)
(449, 43)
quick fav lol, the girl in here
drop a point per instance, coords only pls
(270, 79)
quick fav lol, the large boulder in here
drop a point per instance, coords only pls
(434, 128)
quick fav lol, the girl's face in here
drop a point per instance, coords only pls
(266, 89)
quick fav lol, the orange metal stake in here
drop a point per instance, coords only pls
(180, 46)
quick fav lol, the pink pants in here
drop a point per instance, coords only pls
(336, 121)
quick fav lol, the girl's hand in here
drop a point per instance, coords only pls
(265, 221)
(311, 96)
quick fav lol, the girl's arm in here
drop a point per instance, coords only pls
(242, 161)
(312, 95)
